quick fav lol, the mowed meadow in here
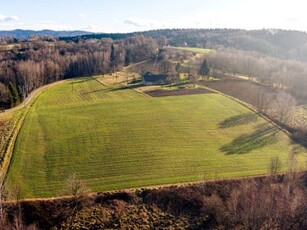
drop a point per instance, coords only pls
(114, 138)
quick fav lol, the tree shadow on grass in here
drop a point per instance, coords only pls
(125, 87)
(120, 88)
(241, 119)
(80, 80)
(94, 91)
(262, 136)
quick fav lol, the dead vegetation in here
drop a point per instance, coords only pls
(177, 92)
(7, 123)
(272, 202)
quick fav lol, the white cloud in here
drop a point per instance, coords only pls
(82, 15)
(93, 28)
(140, 23)
(8, 18)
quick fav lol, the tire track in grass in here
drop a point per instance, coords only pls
(5, 165)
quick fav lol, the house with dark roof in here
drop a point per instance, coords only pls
(154, 79)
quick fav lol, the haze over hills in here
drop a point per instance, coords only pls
(26, 33)
(285, 44)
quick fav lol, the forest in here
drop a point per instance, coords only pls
(285, 44)
(27, 65)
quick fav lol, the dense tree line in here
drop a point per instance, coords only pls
(283, 44)
(29, 65)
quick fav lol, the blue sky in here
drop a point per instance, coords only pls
(137, 15)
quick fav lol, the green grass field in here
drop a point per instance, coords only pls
(114, 138)
(195, 50)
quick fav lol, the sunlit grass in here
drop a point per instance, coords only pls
(116, 138)
(194, 49)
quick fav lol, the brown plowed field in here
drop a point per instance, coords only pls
(242, 89)
(177, 92)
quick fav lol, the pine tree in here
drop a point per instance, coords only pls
(113, 58)
(204, 69)
(15, 95)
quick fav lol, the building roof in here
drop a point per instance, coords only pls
(149, 77)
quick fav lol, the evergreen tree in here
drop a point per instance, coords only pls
(204, 69)
(15, 100)
(4, 95)
(11, 105)
(113, 58)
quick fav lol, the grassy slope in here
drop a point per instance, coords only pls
(7, 122)
(194, 49)
(115, 139)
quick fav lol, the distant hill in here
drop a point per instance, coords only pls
(26, 33)
(284, 44)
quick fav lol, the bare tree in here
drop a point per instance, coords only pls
(283, 104)
(162, 41)
(292, 170)
(263, 99)
(250, 67)
(75, 187)
(167, 67)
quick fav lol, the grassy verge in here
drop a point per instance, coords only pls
(14, 125)
(8, 122)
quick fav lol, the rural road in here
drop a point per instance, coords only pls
(32, 95)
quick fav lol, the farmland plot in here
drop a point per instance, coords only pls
(116, 138)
